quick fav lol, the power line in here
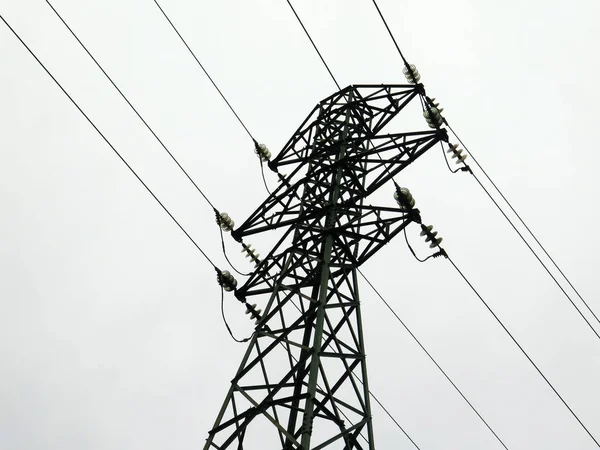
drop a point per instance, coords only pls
(390, 32)
(395, 421)
(523, 351)
(130, 105)
(536, 255)
(487, 306)
(205, 72)
(432, 358)
(523, 222)
(511, 207)
(109, 144)
(314, 45)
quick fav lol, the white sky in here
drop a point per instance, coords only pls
(110, 331)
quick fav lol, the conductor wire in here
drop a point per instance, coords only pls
(432, 359)
(524, 224)
(130, 105)
(523, 351)
(109, 144)
(313, 44)
(205, 71)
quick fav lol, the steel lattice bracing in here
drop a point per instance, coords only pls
(302, 383)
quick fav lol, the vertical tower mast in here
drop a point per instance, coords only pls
(302, 383)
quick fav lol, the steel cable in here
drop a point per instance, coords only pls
(523, 351)
(109, 143)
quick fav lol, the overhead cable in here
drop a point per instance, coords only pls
(260, 149)
(523, 351)
(314, 45)
(131, 106)
(525, 225)
(109, 144)
(205, 72)
(509, 204)
(391, 34)
(536, 256)
(432, 358)
(466, 168)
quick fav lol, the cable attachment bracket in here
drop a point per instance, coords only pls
(226, 280)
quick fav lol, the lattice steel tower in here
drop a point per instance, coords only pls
(302, 383)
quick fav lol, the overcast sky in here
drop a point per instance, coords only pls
(110, 330)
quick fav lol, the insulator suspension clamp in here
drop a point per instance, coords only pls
(457, 153)
(262, 151)
(430, 236)
(226, 280)
(224, 221)
(439, 253)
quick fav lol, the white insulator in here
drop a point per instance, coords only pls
(430, 236)
(251, 253)
(225, 222)
(426, 230)
(460, 157)
(436, 242)
(263, 152)
(452, 148)
(253, 311)
(411, 74)
(457, 153)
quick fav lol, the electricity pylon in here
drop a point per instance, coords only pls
(302, 383)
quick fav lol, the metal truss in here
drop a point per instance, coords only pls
(302, 383)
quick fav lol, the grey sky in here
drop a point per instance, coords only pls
(110, 331)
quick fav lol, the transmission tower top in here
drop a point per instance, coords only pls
(302, 383)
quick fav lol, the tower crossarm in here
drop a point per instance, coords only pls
(366, 166)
